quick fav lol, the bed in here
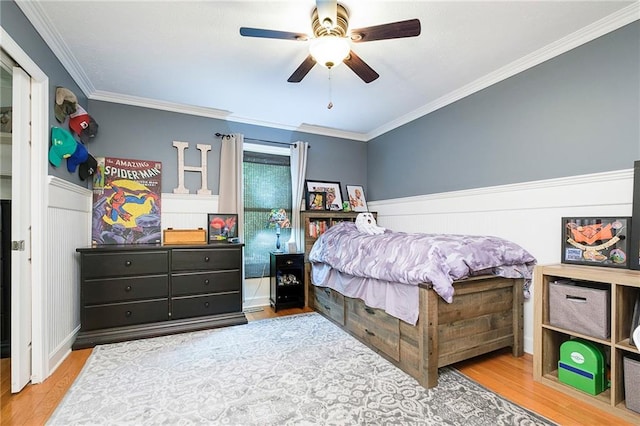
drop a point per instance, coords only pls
(423, 301)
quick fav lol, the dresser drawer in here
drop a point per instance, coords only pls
(122, 314)
(328, 302)
(374, 326)
(213, 304)
(206, 260)
(102, 265)
(124, 289)
(289, 261)
(206, 282)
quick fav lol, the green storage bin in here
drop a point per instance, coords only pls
(582, 365)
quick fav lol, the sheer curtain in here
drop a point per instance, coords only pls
(230, 194)
(298, 173)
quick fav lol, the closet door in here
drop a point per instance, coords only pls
(21, 232)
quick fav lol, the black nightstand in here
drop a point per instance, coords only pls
(287, 280)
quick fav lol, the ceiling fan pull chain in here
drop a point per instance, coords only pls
(330, 92)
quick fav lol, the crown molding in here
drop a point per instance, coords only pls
(597, 29)
(42, 23)
(119, 98)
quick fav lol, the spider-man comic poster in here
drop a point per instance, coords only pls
(126, 201)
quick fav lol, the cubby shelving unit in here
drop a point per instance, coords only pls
(624, 285)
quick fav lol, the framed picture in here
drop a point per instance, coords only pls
(635, 323)
(334, 194)
(316, 200)
(221, 227)
(357, 202)
(634, 244)
(597, 241)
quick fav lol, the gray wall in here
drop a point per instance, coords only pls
(148, 134)
(578, 113)
(22, 32)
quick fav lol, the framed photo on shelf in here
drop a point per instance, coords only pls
(357, 202)
(334, 195)
(221, 227)
(596, 241)
(634, 244)
(635, 323)
(316, 200)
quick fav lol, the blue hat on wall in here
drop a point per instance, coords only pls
(79, 156)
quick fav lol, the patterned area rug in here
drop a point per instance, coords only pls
(294, 370)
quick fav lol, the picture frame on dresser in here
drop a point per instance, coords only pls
(221, 227)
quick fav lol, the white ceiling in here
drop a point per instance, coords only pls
(188, 56)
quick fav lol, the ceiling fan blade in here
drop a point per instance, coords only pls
(302, 70)
(360, 67)
(262, 33)
(410, 28)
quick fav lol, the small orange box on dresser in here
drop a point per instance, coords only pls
(184, 236)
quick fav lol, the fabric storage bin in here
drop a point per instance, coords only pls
(580, 307)
(632, 384)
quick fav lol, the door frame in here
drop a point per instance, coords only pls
(39, 201)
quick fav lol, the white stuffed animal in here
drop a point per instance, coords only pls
(365, 222)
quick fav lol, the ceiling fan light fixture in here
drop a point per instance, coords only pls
(329, 51)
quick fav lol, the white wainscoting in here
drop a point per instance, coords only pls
(528, 214)
(68, 227)
(187, 211)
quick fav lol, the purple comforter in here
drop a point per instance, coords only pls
(407, 258)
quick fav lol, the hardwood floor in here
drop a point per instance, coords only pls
(508, 376)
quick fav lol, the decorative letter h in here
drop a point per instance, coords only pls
(182, 168)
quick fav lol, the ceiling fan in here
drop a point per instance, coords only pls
(330, 45)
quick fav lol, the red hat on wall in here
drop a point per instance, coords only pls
(82, 124)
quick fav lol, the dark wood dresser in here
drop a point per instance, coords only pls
(139, 291)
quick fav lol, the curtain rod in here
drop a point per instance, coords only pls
(222, 135)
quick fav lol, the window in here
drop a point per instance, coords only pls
(267, 185)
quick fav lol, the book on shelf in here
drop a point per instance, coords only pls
(317, 228)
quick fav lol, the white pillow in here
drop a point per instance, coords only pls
(365, 222)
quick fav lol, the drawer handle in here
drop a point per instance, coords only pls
(327, 307)
(127, 288)
(127, 314)
(369, 311)
(206, 282)
(206, 304)
(289, 262)
(127, 263)
(370, 333)
(206, 258)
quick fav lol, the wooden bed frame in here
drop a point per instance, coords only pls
(486, 314)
